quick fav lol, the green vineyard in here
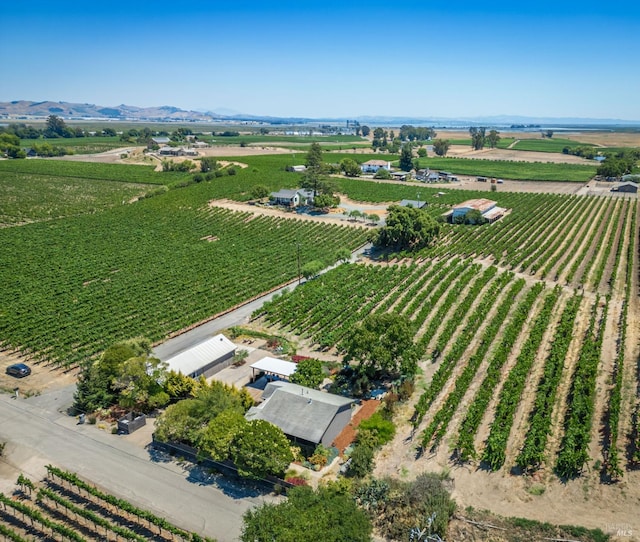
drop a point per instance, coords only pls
(525, 323)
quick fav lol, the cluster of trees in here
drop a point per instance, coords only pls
(412, 133)
(316, 178)
(10, 144)
(212, 420)
(586, 151)
(127, 375)
(480, 138)
(363, 130)
(407, 228)
(441, 147)
(619, 164)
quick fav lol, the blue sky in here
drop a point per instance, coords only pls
(329, 58)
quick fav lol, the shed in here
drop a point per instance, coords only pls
(205, 358)
(308, 417)
(413, 203)
(274, 367)
(629, 187)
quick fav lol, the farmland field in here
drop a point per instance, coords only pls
(146, 269)
(523, 171)
(30, 197)
(276, 139)
(77, 511)
(547, 145)
(79, 145)
(550, 313)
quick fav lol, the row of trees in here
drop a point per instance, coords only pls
(619, 164)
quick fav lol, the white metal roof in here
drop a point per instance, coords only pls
(201, 355)
(275, 366)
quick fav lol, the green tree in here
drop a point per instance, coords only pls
(493, 138)
(350, 167)
(328, 514)
(407, 228)
(383, 174)
(259, 191)
(261, 449)
(312, 269)
(382, 342)
(308, 373)
(56, 127)
(325, 201)
(365, 130)
(406, 158)
(422, 152)
(214, 440)
(208, 164)
(180, 422)
(314, 157)
(478, 137)
(139, 384)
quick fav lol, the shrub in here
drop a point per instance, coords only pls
(381, 429)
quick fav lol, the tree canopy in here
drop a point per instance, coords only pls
(382, 342)
(441, 147)
(308, 373)
(407, 228)
(325, 514)
(406, 158)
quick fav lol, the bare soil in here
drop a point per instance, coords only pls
(43, 377)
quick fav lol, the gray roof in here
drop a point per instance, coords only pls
(300, 412)
(284, 194)
(202, 354)
(413, 203)
(160, 139)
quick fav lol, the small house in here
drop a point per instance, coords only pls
(372, 166)
(308, 417)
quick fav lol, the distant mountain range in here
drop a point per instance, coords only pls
(26, 110)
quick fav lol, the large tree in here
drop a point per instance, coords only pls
(308, 373)
(325, 514)
(314, 157)
(478, 137)
(261, 449)
(382, 342)
(407, 228)
(350, 167)
(441, 147)
(493, 138)
(406, 158)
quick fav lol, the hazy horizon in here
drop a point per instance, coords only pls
(303, 59)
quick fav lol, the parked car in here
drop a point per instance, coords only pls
(19, 370)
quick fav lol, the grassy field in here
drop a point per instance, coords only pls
(277, 140)
(520, 171)
(547, 145)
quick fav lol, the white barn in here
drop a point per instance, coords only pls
(205, 358)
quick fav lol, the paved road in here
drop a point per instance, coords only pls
(37, 434)
(236, 317)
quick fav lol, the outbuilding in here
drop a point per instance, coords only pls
(205, 358)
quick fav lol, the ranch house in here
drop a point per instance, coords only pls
(308, 417)
(291, 197)
(488, 208)
(372, 166)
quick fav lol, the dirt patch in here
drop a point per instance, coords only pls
(348, 434)
(43, 377)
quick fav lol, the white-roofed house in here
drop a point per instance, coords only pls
(308, 417)
(372, 166)
(205, 358)
(274, 367)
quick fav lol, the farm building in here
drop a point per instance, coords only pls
(292, 198)
(400, 175)
(487, 208)
(308, 417)
(417, 204)
(629, 187)
(274, 368)
(205, 358)
(159, 141)
(372, 166)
